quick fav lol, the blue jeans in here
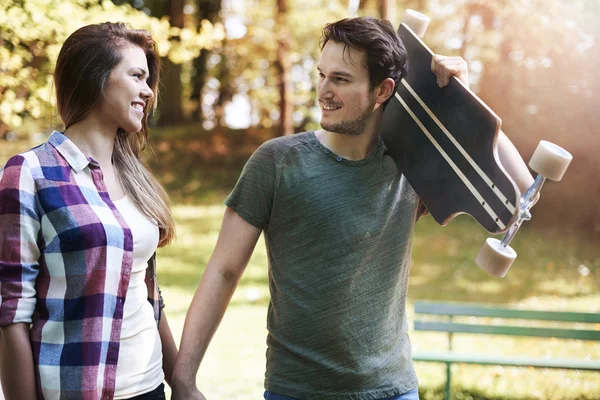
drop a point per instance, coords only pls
(412, 395)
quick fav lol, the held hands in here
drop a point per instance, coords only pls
(180, 393)
(444, 67)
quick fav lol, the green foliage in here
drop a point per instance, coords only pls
(196, 165)
(32, 32)
(250, 59)
(532, 61)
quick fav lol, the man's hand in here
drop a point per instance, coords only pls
(445, 67)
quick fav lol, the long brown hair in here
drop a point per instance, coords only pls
(84, 64)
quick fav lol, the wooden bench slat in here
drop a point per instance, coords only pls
(449, 357)
(436, 308)
(507, 330)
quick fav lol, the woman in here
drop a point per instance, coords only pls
(80, 220)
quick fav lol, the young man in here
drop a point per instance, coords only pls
(338, 220)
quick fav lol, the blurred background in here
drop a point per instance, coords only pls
(238, 72)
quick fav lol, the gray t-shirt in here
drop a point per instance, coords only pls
(338, 237)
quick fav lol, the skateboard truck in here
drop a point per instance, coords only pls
(550, 162)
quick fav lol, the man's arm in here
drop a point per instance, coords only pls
(16, 363)
(235, 245)
(444, 68)
(513, 163)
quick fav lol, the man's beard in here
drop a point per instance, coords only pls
(353, 127)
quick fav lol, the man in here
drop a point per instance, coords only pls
(338, 221)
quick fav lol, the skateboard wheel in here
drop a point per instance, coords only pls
(416, 21)
(494, 258)
(550, 160)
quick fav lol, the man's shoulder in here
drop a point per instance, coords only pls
(279, 147)
(287, 142)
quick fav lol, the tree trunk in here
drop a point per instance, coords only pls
(226, 89)
(170, 106)
(283, 66)
(209, 10)
(387, 10)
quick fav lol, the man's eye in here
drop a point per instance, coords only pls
(341, 79)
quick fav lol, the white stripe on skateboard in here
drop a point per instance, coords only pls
(460, 174)
(482, 174)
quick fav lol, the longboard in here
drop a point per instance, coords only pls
(444, 142)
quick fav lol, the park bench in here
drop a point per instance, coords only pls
(483, 326)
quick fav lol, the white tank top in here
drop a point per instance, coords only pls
(139, 369)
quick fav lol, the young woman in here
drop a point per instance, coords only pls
(80, 220)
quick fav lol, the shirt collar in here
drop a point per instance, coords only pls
(75, 157)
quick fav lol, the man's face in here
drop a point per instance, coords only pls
(347, 103)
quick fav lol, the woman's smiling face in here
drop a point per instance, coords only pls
(125, 96)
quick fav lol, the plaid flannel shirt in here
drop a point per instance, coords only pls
(65, 264)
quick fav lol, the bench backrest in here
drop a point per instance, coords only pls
(458, 309)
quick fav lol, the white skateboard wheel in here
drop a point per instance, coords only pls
(494, 258)
(550, 160)
(416, 21)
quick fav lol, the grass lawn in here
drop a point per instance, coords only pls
(547, 276)
(553, 272)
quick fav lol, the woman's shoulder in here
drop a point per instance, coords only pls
(35, 160)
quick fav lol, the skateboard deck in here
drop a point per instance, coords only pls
(443, 140)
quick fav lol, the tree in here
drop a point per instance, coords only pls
(170, 105)
(253, 63)
(208, 10)
(283, 65)
(32, 33)
(387, 10)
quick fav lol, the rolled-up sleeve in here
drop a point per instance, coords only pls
(19, 250)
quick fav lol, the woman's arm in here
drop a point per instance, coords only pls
(169, 349)
(19, 255)
(16, 363)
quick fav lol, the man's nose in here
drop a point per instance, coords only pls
(324, 90)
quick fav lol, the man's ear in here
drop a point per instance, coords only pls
(385, 90)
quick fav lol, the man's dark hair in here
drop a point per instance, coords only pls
(386, 56)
